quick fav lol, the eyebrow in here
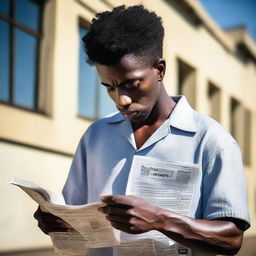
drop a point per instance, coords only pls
(122, 83)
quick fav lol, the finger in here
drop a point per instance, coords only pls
(124, 227)
(118, 218)
(49, 218)
(43, 227)
(50, 223)
(39, 215)
(114, 200)
(120, 226)
(117, 210)
(48, 228)
(107, 199)
(129, 221)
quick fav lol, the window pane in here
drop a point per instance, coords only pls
(187, 82)
(25, 69)
(214, 96)
(28, 13)
(106, 103)
(5, 7)
(247, 136)
(87, 84)
(4, 60)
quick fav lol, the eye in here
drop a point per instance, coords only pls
(132, 85)
(110, 88)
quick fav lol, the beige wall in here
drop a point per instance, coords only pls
(18, 228)
(60, 129)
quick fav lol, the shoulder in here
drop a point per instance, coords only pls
(212, 133)
(215, 141)
(206, 130)
(111, 119)
(102, 126)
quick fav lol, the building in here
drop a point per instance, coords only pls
(45, 104)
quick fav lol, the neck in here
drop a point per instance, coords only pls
(160, 112)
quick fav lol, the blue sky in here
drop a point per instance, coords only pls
(229, 13)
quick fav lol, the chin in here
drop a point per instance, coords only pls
(139, 119)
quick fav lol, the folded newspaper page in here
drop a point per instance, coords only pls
(90, 228)
(169, 185)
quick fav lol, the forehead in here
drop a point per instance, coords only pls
(133, 61)
(128, 65)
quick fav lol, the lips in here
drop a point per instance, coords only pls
(129, 114)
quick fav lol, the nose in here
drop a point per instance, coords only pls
(123, 100)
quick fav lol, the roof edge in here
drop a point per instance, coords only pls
(223, 36)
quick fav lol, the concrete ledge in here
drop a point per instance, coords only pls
(30, 252)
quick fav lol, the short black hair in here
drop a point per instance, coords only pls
(131, 30)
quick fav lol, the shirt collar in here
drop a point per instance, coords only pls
(182, 116)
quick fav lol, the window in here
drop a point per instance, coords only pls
(93, 99)
(20, 26)
(247, 137)
(237, 121)
(241, 129)
(187, 82)
(214, 97)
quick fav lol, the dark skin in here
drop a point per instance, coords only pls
(138, 92)
(50, 223)
(134, 215)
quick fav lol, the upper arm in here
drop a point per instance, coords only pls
(75, 190)
(224, 188)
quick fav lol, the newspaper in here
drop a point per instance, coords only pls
(169, 185)
(90, 228)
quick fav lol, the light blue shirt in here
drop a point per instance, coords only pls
(105, 153)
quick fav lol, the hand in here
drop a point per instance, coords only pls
(130, 214)
(50, 223)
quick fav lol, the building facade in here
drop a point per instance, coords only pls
(49, 96)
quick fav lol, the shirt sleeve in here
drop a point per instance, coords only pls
(75, 188)
(224, 187)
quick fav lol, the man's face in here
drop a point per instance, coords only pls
(132, 85)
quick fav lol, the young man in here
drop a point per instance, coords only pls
(125, 45)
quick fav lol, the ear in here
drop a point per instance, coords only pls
(160, 66)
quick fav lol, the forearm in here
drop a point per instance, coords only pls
(217, 236)
(134, 215)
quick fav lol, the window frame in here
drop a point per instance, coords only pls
(213, 91)
(241, 133)
(10, 20)
(185, 72)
